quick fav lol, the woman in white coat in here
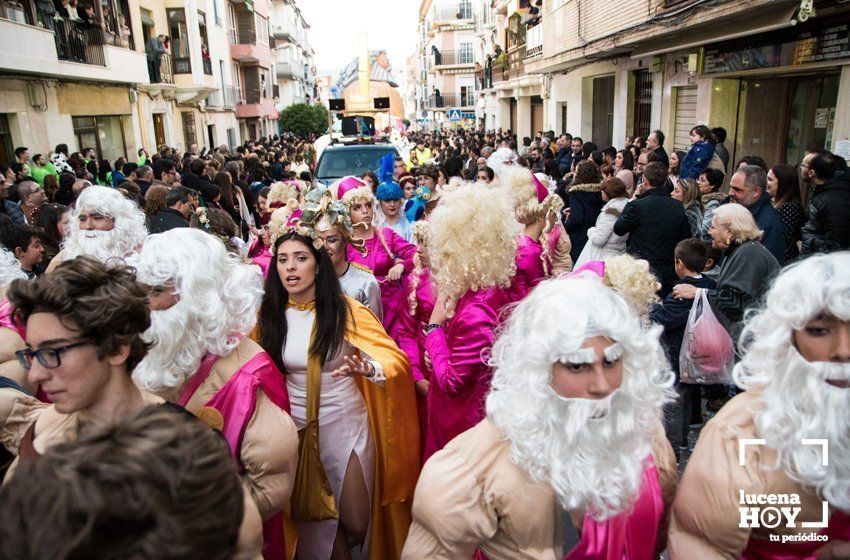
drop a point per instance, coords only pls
(602, 242)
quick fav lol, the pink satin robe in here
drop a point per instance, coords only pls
(380, 262)
(461, 378)
(529, 266)
(412, 338)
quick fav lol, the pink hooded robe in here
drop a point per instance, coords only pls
(461, 378)
(412, 336)
(380, 262)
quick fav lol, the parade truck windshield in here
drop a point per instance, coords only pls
(338, 161)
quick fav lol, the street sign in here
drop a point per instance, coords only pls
(454, 115)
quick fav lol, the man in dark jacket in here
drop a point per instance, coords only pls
(181, 202)
(655, 223)
(748, 187)
(828, 228)
(655, 144)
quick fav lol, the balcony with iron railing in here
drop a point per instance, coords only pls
(450, 100)
(207, 66)
(39, 41)
(510, 66)
(226, 98)
(75, 41)
(285, 69)
(534, 41)
(244, 46)
(459, 13)
(484, 20)
(450, 58)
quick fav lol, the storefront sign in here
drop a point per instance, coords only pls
(821, 40)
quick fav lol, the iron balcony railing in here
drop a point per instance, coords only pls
(76, 41)
(450, 58)
(225, 98)
(449, 100)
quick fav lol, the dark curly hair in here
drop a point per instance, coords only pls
(159, 485)
(103, 302)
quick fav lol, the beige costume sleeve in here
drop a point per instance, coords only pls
(705, 514)
(561, 260)
(10, 343)
(17, 411)
(270, 454)
(451, 513)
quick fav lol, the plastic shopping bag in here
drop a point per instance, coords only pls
(708, 352)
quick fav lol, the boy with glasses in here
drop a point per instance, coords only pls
(84, 325)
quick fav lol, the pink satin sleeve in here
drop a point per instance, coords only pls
(626, 535)
(456, 353)
(529, 266)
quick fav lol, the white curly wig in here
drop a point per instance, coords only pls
(126, 237)
(795, 401)
(472, 242)
(10, 270)
(592, 465)
(501, 160)
(219, 296)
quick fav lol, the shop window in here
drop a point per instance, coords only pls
(103, 133)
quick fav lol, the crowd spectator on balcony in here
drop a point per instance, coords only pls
(89, 21)
(154, 49)
(59, 159)
(479, 75)
(535, 14)
(438, 57)
(655, 143)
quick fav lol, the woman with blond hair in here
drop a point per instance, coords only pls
(747, 270)
(687, 192)
(381, 250)
(472, 265)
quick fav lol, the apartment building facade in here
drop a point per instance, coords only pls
(295, 62)
(86, 82)
(443, 69)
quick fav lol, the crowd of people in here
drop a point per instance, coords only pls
(484, 348)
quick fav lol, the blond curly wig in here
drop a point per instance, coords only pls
(472, 242)
(634, 281)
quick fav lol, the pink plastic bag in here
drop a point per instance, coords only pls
(708, 352)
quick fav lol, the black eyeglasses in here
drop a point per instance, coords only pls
(49, 358)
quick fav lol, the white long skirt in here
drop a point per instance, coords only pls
(343, 428)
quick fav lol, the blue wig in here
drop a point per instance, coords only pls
(389, 190)
(385, 171)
